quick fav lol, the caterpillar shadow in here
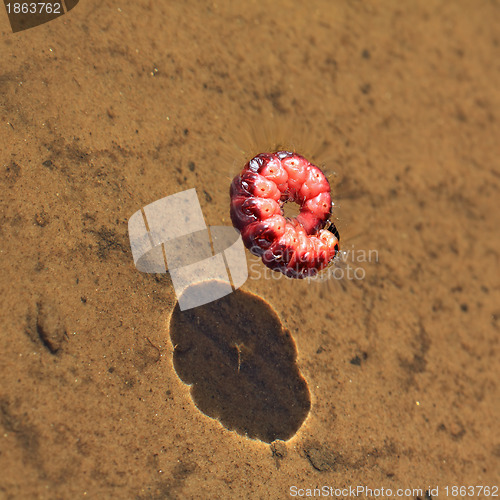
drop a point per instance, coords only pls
(241, 365)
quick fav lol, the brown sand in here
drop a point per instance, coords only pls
(111, 107)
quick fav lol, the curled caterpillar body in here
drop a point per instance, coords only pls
(298, 247)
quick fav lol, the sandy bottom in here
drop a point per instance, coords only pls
(385, 378)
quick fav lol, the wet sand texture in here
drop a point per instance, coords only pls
(386, 381)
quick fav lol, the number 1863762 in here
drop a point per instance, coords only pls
(34, 8)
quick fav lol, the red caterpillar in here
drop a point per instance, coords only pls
(298, 247)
